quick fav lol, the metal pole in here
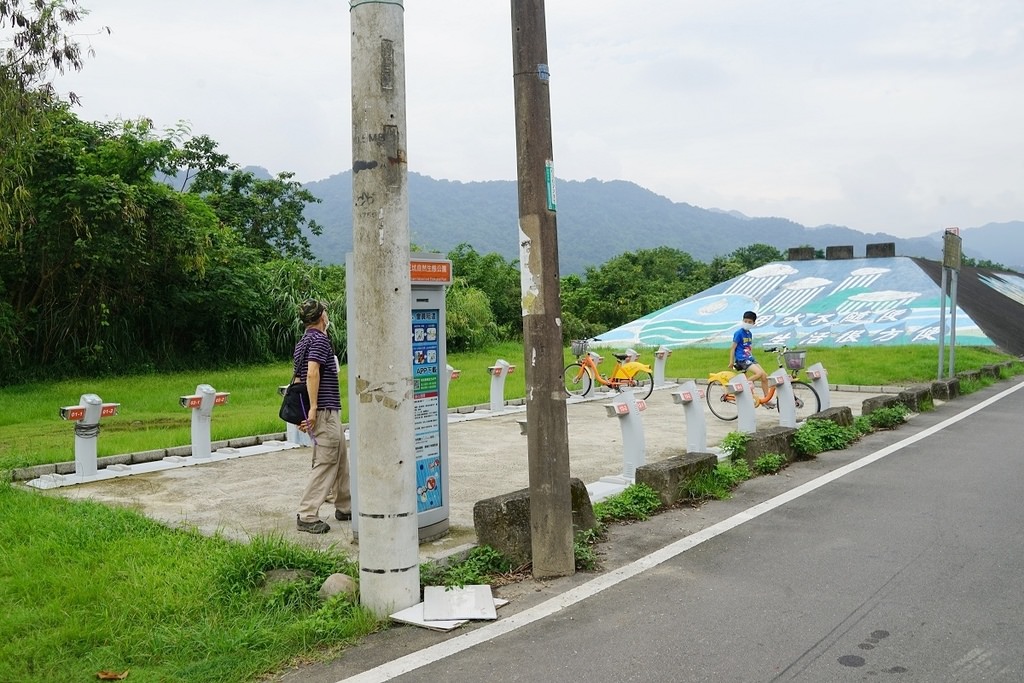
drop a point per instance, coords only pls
(547, 431)
(952, 324)
(942, 323)
(386, 476)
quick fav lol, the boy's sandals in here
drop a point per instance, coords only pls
(316, 527)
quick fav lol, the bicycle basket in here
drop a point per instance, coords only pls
(579, 347)
(795, 359)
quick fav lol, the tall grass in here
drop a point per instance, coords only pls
(150, 418)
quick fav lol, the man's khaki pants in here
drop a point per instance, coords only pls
(328, 479)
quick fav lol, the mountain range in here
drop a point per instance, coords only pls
(598, 220)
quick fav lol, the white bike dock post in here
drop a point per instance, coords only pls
(819, 382)
(86, 416)
(660, 360)
(292, 432)
(743, 391)
(784, 397)
(627, 408)
(691, 397)
(498, 372)
(201, 404)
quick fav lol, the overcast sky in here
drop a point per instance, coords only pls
(897, 116)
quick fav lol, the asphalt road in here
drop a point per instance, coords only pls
(898, 559)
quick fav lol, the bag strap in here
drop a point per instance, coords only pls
(305, 360)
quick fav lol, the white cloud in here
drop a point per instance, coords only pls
(897, 117)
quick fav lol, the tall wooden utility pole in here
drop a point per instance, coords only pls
(385, 472)
(546, 430)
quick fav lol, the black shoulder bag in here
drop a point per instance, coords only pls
(295, 406)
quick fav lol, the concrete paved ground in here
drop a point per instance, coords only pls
(487, 457)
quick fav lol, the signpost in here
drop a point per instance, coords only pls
(951, 255)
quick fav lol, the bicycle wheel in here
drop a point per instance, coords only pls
(721, 401)
(643, 383)
(577, 380)
(807, 400)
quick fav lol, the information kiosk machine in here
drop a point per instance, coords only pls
(430, 274)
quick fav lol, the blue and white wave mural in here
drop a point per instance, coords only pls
(851, 302)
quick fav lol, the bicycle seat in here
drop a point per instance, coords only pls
(772, 349)
(621, 356)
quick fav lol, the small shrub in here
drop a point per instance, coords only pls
(583, 548)
(637, 501)
(716, 484)
(862, 424)
(889, 418)
(769, 463)
(817, 436)
(480, 565)
(735, 444)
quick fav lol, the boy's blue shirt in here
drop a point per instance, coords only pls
(743, 339)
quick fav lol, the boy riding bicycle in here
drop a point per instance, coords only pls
(741, 356)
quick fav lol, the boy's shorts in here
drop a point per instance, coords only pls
(742, 365)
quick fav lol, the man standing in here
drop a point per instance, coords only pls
(315, 363)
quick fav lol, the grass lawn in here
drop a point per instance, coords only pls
(87, 588)
(150, 417)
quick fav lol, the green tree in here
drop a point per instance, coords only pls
(468, 317)
(756, 255)
(630, 286)
(499, 280)
(35, 43)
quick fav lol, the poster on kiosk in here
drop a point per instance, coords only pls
(430, 274)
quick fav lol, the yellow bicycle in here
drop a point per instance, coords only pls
(722, 400)
(628, 373)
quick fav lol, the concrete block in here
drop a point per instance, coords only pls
(154, 455)
(917, 398)
(34, 472)
(503, 522)
(839, 252)
(881, 250)
(184, 451)
(870, 405)
(242, 442)
(108, 460)
(990, 371)
(64, 467)
(946, 389)
(667, 476)
(774, 440)
(279, 436)
(841, 415)
(969, 375)
(801, 253)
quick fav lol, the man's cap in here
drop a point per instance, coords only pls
(310, 311)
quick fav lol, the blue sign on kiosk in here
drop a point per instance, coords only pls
(429, 274)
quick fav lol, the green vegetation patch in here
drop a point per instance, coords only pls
(482, 565)
(817, 436)
(636, 502)
(769, 463)
(888, 418)
(85, 587)
(716, 484)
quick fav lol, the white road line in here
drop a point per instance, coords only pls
(434, 653)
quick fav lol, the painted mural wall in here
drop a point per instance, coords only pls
(855, 302)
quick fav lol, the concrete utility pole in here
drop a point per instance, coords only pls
(386, 476)
(547, 433)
